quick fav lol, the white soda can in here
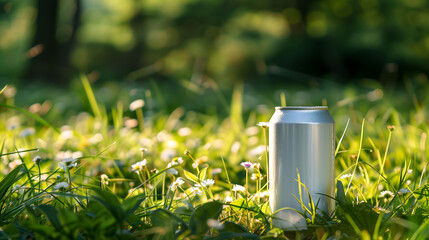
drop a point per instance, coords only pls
(301, 140)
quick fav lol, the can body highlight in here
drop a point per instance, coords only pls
(301, 141)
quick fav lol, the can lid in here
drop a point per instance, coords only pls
(303, 108)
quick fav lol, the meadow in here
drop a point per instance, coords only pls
(165, 161)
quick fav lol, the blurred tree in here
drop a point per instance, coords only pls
(49, 55)
(223, 40)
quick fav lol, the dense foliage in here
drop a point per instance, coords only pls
(136, 169)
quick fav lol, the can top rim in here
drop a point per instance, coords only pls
(303, 108)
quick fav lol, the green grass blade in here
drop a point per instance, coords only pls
(422, 229)
(237, 108)
(8, 181)
(342, 136)
(357, 158)
(1, 91)
(34, 116)
(283, 99)
(18, 151)
(90, 95)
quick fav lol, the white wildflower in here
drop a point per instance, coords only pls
(207, 182)
(143, 149)
(61, 186)
(238, 188)
(264, 194)
(386, 194)
(247, 164)
(256, 176)
(263, 124)
(175, 161)
(104, 179)
(70, 162)
(139, 166)
(229, 199)
(196, 191)
(179, 182)
(63, 166)
(37, 159)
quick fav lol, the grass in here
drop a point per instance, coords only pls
(166, 171)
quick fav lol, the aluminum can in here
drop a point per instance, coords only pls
(301, 141)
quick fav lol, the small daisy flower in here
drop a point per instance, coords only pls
(63, 166)
(228, 199)
(386, 194)
(256, 176)
(61, 186)
(143, 149)
(104, 179)
(238, 188)
(207, 182)
(37, 159)
(176, 161)
(70, 162)
(263, 124)
(247, 164)
(139, 166)
(257, 195)
(179, 182)
(196, 191)
(257, 165)
(264, 194)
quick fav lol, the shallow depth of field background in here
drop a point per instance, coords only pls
(208, 72)
(229, 42)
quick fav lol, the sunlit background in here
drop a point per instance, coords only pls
(222, 41)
